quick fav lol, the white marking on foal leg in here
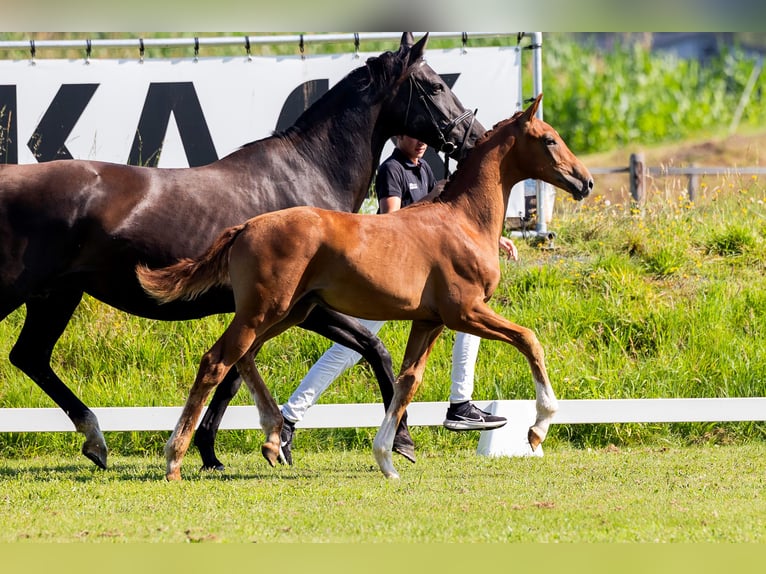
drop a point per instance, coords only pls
(172, 460)
(547, 405)
(382, 445)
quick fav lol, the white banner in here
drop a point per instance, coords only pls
(177, 113)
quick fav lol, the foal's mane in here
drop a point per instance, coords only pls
(446, 193)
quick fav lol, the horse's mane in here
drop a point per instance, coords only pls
(360, 83)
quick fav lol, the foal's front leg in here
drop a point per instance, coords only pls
(423, 335)
(229, 348)
(211, 371)
(484, 322)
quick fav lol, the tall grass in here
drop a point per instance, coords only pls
(668, 301)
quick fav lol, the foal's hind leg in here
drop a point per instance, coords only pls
(423, 335)
(45, 321)
(350, 333)
(485, 323)
(338, 328)
(268, 410)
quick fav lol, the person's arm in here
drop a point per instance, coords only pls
(389, 186)
(510, 249)
(390, 203)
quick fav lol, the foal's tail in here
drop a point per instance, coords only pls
(189, 278)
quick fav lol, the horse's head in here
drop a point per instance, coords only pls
(538, 152)
(420, 104)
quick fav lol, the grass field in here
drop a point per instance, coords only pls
(648, 494)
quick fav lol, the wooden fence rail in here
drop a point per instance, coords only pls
(639, 174)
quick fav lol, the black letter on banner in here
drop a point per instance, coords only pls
(9, 150)
(48, 141)
(180, 99)
(299, 100)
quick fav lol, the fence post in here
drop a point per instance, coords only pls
(694, 181)
(637, 178)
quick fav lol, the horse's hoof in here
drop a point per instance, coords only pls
(174, 476)
(533, 438)
(97, 456)
(213, 467)
(386, 466)
(270, 453)
(406, 450)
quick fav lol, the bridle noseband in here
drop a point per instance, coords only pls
(447, 147)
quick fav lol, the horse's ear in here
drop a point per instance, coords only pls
(531, 111)
(407, 40)
(417, 51)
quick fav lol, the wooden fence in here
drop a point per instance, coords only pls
(640, 174)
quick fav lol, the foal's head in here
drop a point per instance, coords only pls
(538, 152)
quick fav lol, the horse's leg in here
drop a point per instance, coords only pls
(350, 333)
(204, 437)
(423, 335)
(46, 319)
(268, 410)
(230, 347)
(481, 320)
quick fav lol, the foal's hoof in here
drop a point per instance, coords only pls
(270, 453)
(213, 467)
(533, 438)
(173, 477)
(96, 453)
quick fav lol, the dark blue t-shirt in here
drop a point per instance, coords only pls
(399, 177)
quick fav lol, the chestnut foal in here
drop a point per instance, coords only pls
(280, 265)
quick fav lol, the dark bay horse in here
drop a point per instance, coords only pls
(281, 265)
(74, 227)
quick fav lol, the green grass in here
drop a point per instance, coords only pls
(699, 494)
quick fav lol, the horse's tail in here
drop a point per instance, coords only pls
(189, 278)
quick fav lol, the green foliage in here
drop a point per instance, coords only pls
(733, 240)
(601, 100)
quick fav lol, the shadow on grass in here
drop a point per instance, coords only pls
(148, 471)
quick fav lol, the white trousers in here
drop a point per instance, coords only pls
(464, 353)
(337, 359)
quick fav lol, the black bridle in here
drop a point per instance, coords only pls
(447, 147)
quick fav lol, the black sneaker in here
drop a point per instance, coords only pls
(466, 416)
(286, 438)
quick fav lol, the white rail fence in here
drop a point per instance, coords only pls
(507, 441)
